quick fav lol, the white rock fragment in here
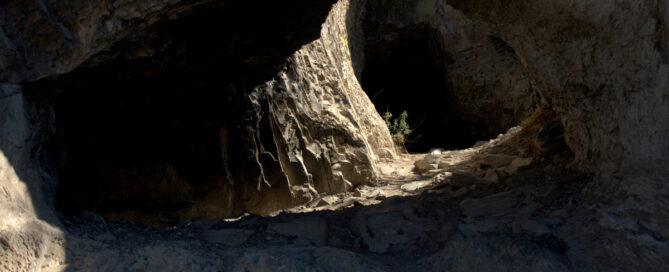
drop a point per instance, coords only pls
(415, 186)
(429, 162)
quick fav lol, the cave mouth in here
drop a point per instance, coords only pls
(148, 147)
(160, 127)
(405, 69)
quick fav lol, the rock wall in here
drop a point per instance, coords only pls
(328, 136)
(42, 40)
(602, 65)
(30, 233)
(308, 127)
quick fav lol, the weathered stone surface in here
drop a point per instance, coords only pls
(415, 186)
(603, 67)
(496, 204)
(429, 162)
(327, 132)
(313, 229)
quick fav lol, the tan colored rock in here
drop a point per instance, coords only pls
(415, 186)
(429, 162)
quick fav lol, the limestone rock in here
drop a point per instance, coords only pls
(429, 162)
(415, 186)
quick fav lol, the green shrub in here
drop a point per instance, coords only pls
(399, 128)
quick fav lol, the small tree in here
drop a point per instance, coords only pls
(399, 128)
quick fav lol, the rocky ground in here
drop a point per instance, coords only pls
(461, 210)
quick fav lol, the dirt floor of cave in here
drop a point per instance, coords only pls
(408, 219)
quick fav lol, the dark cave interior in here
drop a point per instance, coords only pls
(159, 123)
(406, 70)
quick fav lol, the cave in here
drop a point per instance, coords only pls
(406, 68)
(248, 135)
(405, 71)
(157, 128)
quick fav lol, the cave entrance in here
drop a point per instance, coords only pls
(160, 127)
(405, 69)
(145, 145)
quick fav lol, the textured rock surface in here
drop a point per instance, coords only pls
(602, 65)
(328, 136)
(307, 129)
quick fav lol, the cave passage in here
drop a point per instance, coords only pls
(405, 70)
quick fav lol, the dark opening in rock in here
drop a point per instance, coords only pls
(454, 96)
(405, 71)
(160, 127)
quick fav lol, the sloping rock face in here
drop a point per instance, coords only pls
(328, 135)
(602, 65)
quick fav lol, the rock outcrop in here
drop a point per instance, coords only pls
(601, 65)
(158, 110)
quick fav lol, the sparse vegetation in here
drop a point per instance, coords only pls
(399, 128)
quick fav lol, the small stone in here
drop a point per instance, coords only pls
(387, 170)
(415, 186)
(327, 201)
(429, 162)
(376, 194)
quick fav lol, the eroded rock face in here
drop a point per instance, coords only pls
(327, 134)
(243, 123)
(602, 65)
(161, 127)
